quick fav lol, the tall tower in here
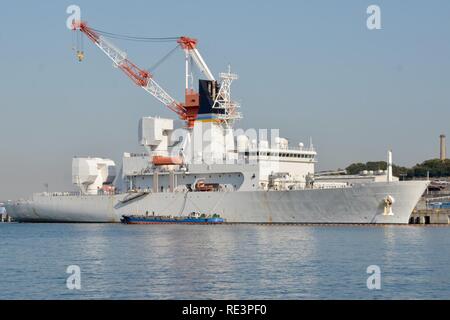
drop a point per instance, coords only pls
(442, 149)
(389, 167)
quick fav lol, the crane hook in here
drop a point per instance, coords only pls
(80, 55)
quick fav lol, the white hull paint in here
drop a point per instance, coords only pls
(361, 204)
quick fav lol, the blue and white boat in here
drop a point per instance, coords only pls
(193, 218)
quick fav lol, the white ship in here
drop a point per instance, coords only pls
(209, 167)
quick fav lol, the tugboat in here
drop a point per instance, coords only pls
(192, 218)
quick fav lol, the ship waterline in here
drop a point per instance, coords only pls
(362, 204)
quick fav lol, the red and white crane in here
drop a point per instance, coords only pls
(189, 46)
(186, 111)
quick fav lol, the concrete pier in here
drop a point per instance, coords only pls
(430, 216)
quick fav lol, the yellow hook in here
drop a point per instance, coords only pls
(80, 55)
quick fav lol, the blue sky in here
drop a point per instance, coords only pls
(310, 68)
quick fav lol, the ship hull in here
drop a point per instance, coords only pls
(363, 204)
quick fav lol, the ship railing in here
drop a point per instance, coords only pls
(58, 194)
(333, 186)
(75, 193)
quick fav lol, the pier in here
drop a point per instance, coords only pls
(434, 207)
(430, 216)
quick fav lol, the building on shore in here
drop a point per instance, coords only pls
(434, 207)
(3, 214)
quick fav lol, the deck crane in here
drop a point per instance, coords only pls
(188, 110)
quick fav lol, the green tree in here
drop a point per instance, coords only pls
(435, 168)
(356, 168)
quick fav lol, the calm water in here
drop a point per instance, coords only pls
(222, 262)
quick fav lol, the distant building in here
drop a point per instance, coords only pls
(3, 215)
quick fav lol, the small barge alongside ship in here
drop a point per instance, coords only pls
(193, 218)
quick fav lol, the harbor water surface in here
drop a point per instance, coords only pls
(223, 261)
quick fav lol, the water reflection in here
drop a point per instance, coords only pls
(223, 262)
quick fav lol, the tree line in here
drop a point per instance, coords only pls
(433, 167)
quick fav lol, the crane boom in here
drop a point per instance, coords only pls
(201, 63)
(190, 47)
(140, 77)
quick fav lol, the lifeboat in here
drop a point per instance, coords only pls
(165, 161)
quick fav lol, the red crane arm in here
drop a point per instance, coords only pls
(140, 77)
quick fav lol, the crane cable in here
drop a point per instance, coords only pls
(164, 58)
(134, 38)
(139, 39)
(79, 45)
(143, 39)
